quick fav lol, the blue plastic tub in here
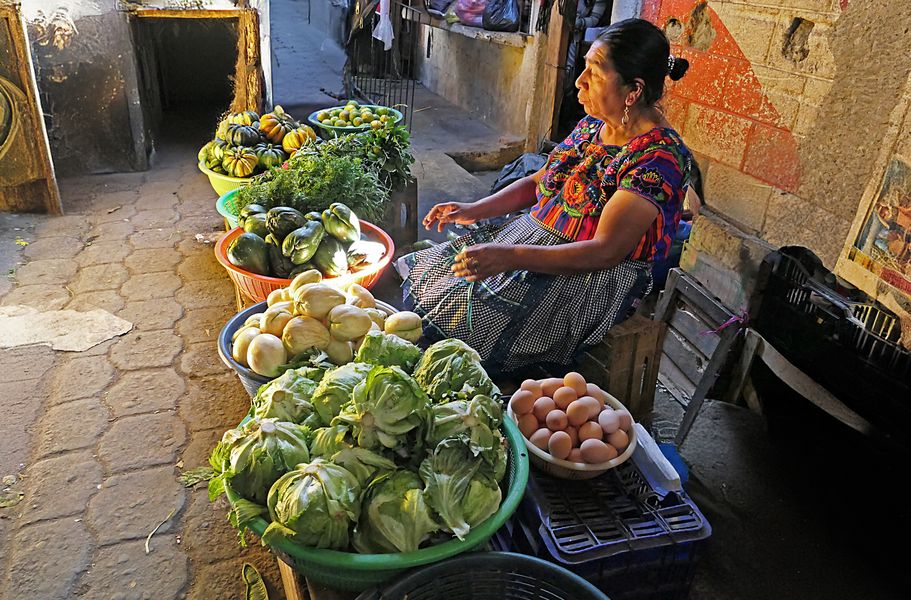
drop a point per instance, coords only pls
(250, 380)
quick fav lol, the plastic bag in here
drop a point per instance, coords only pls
(501, 15)
(439, 6)
(471, 12)
(383, 29)
(524, 165)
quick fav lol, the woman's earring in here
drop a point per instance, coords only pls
(625, 118)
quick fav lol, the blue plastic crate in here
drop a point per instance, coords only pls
(614, 530)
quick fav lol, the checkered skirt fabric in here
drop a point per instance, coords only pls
(519, 318)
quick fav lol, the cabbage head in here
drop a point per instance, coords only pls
(363, 464)
(451, 370)
(286, 398)
(327, 441)
(316, 504)
(385, 408)
(475, 421)
(394, 515)
(389, 351)
(459, 487)
(335, 390)
(254, 456)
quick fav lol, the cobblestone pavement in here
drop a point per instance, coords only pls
(104, 433)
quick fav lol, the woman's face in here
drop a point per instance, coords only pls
(601, 89)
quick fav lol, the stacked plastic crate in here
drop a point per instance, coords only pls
(617, 531)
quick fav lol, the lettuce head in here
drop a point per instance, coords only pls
(451, 370)
(335, 389)
(389, 351)
(395, 516)
(286, 398)
(316, 504)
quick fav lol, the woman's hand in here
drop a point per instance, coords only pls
(449, 212)
(482, 261)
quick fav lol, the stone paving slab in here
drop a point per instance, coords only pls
(81, 377)
(130, 505)
(96, 278)
(40, 296)
(213, 402)
(160, 313)
(71, 426)
(76, 473)
(126, 571)
(108, 300)
(142, 441)
(49, 271)
(141, 350)
(47, 559)
(145, 391)
(152, 260)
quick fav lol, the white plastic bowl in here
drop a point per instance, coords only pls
(565, 469)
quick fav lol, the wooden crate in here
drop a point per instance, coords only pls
(625, 364)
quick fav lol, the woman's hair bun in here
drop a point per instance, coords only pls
(678, 70)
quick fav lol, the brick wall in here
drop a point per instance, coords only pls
(785, 105)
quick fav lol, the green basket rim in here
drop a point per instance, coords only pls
(311, 118)
(386, 562)
(202, 167)
(221, 205)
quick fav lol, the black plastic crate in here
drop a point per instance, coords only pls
(614, 531)
(841, 340)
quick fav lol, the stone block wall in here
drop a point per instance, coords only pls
(786, 106)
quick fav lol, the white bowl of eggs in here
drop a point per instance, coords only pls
(572, 429)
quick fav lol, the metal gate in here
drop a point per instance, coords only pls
(378, 76)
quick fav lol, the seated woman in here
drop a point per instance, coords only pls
(605, 206)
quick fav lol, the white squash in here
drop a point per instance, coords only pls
(274, 320)
(348, 322)
(302, 334)
(242, 342)
(317, 299)
(361, 297)
(406, 324)
(266, 354)
(340, 353)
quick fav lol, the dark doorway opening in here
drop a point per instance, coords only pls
(186, 74)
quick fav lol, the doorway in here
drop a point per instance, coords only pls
(186, 71)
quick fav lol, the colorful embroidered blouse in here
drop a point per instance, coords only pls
(582, 174)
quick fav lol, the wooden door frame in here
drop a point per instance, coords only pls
(22, 53)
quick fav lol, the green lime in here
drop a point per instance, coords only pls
(382, 111)
(322, 116)
(357, 121)
(352, 103)
(376, 125)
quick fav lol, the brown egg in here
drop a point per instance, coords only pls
(593, 405)
(522, 402)
(590, 431)
(560, 445)
(577, 412)
(575, 381)
(556, 420)
(528, 424)
(533, 386)
(609, 420)
(573, 435)
(564, 396)
(595, 392)
(551, 385)
(575, 455)
(596, 451)
(626, 420)
(618, 439)
(541, 437)
(582, 410)
(543, 405)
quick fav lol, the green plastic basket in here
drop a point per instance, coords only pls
(223, 183)
(226, 205)
(357, 572)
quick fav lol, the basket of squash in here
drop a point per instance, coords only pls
(309, 320)
(271, 247)
(246, 143)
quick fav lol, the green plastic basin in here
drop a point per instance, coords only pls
(357, 572)
(223, 184)
(226, 205)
